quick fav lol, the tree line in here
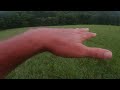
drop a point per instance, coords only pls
(16, 19)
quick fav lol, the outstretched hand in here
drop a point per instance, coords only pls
(61, 42)
(69, 43)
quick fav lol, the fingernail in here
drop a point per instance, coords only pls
(87, 29)
(107, 55)
(94, 34)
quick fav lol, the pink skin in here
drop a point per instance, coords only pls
(61, 42)
(68, 43)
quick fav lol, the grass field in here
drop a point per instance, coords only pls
(49, 66)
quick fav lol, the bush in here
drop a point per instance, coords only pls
(46, 18)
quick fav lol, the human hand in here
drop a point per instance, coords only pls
(68, 43)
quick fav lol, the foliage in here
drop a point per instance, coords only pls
(14, 19)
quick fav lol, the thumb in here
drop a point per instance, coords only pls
(98, 53)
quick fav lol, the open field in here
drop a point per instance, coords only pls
(49, 66)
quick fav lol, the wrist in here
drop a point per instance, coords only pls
(36, 39)
(42, 38)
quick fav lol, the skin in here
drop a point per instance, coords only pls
(61, 42)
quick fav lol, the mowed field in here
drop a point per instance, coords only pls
(48, 66)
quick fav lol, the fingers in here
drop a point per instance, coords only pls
(80, 30)
(98, 53)
(77, 30)
(65, 29)
(87, 35)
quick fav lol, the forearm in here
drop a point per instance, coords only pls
(16, 50)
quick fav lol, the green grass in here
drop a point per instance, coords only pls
(49, 66)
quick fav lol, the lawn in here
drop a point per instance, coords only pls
(49, 66)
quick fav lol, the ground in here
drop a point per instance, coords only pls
(49, 66)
